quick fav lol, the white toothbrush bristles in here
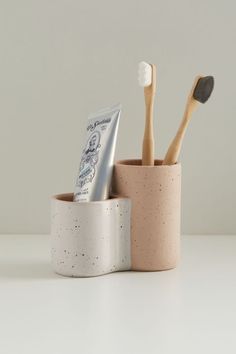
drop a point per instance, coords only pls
(144, 74)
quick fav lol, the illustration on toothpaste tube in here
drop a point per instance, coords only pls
(89, 160)
(96, 164)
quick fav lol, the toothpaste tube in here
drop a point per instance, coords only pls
(96, 165)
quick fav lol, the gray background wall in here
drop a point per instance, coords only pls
(61, 60)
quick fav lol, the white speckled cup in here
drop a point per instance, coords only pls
(90, 239)
(155, 193)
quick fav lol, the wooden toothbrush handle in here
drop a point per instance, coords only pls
(148, 139)
(173, 152)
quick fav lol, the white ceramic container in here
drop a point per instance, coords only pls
(91, 238)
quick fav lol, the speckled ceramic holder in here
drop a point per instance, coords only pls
(90, 239)
(155, 193)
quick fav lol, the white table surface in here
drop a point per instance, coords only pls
(191, 309)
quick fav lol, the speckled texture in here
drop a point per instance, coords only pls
(155, 193)
(90, 239)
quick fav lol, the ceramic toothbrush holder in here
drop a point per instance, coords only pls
(155, 193)
(90, 239)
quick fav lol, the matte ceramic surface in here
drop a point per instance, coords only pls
(90, 239)
(155, 193)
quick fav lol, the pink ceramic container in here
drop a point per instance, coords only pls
(155, 193)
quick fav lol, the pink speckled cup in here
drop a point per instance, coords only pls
(155, 193)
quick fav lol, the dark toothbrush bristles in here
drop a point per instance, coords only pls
(203, 89)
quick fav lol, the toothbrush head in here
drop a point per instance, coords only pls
(203, 89)
(144, 74)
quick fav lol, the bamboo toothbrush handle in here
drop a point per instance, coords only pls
(148, 139)
(173, 152)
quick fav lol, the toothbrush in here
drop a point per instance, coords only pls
(201, 91)
(147, 79)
